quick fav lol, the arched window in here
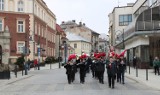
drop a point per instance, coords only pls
(20, 6)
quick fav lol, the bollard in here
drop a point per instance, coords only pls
(16, 71)
(22, 69)
(136, 71)
(26, 69)
(146, 73)
(50, 66)
(129, 68)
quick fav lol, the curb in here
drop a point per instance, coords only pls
(142, 82)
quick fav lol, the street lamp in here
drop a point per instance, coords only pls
(122, 32)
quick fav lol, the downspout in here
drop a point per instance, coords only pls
(33, 33)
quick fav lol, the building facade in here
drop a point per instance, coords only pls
(141, 36)
(80, 44)
(82, 30)
(30, 24)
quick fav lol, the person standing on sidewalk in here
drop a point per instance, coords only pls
(111, 71)
(156, 63)
(134, 62)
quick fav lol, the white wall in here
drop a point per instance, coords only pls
(137, 5)
(120, 11)
(137, 41)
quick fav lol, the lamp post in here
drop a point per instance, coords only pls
(122, 32)
(59, 53)
(65, 51)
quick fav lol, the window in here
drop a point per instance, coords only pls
(20, 47)
(39, 30)
(75, 45)
(1, 25)
(20, 6)
(125, 20)
(21, 26)
(35, 28)
(36, 9)
(1, 5)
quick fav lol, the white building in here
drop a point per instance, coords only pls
(141, 36)
(80, 44)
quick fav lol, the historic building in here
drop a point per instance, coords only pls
(141, 36)
(80, 44)
(26, 25)
(82, 30)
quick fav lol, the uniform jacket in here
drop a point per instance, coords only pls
(111, 68)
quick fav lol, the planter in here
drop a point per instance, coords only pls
(5, 75)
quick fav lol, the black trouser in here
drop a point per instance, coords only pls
(122, 75)
(93, 73)
(69, 78)
(111, 79)
(72, 76)
(100, 76)
(156, 70)
(118, 76)
(82, 76)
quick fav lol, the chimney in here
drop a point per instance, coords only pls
(84, 24)
(80, 23)
(74, 21)
(62, 22)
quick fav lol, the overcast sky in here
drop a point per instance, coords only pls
(94, 13)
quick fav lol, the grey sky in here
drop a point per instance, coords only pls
(94, 13)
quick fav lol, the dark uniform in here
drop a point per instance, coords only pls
(111, 71)
(93, 66)
(70, 71)
(82, 72)
(100, 70)
(121, 68)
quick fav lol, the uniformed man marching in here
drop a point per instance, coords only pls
(82, 67)
(70, 69)
(111, 71)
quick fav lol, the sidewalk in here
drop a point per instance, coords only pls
(30, 74)
(153, 80)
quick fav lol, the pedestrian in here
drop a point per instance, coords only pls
(134, 62)
(156, 64)
(35, 64)
(29, 64)
(111, 71)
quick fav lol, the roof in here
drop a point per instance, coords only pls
(102, 40)
(73, 37)
(58, 28)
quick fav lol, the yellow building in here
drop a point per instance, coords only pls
(80, 44)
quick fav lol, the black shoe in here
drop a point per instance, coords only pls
(123, 83)
(109, 86)
(112, 87)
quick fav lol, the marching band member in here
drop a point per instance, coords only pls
(70, 68)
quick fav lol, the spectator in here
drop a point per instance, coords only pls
(134, 62)
(156, 65)
(35, 63)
